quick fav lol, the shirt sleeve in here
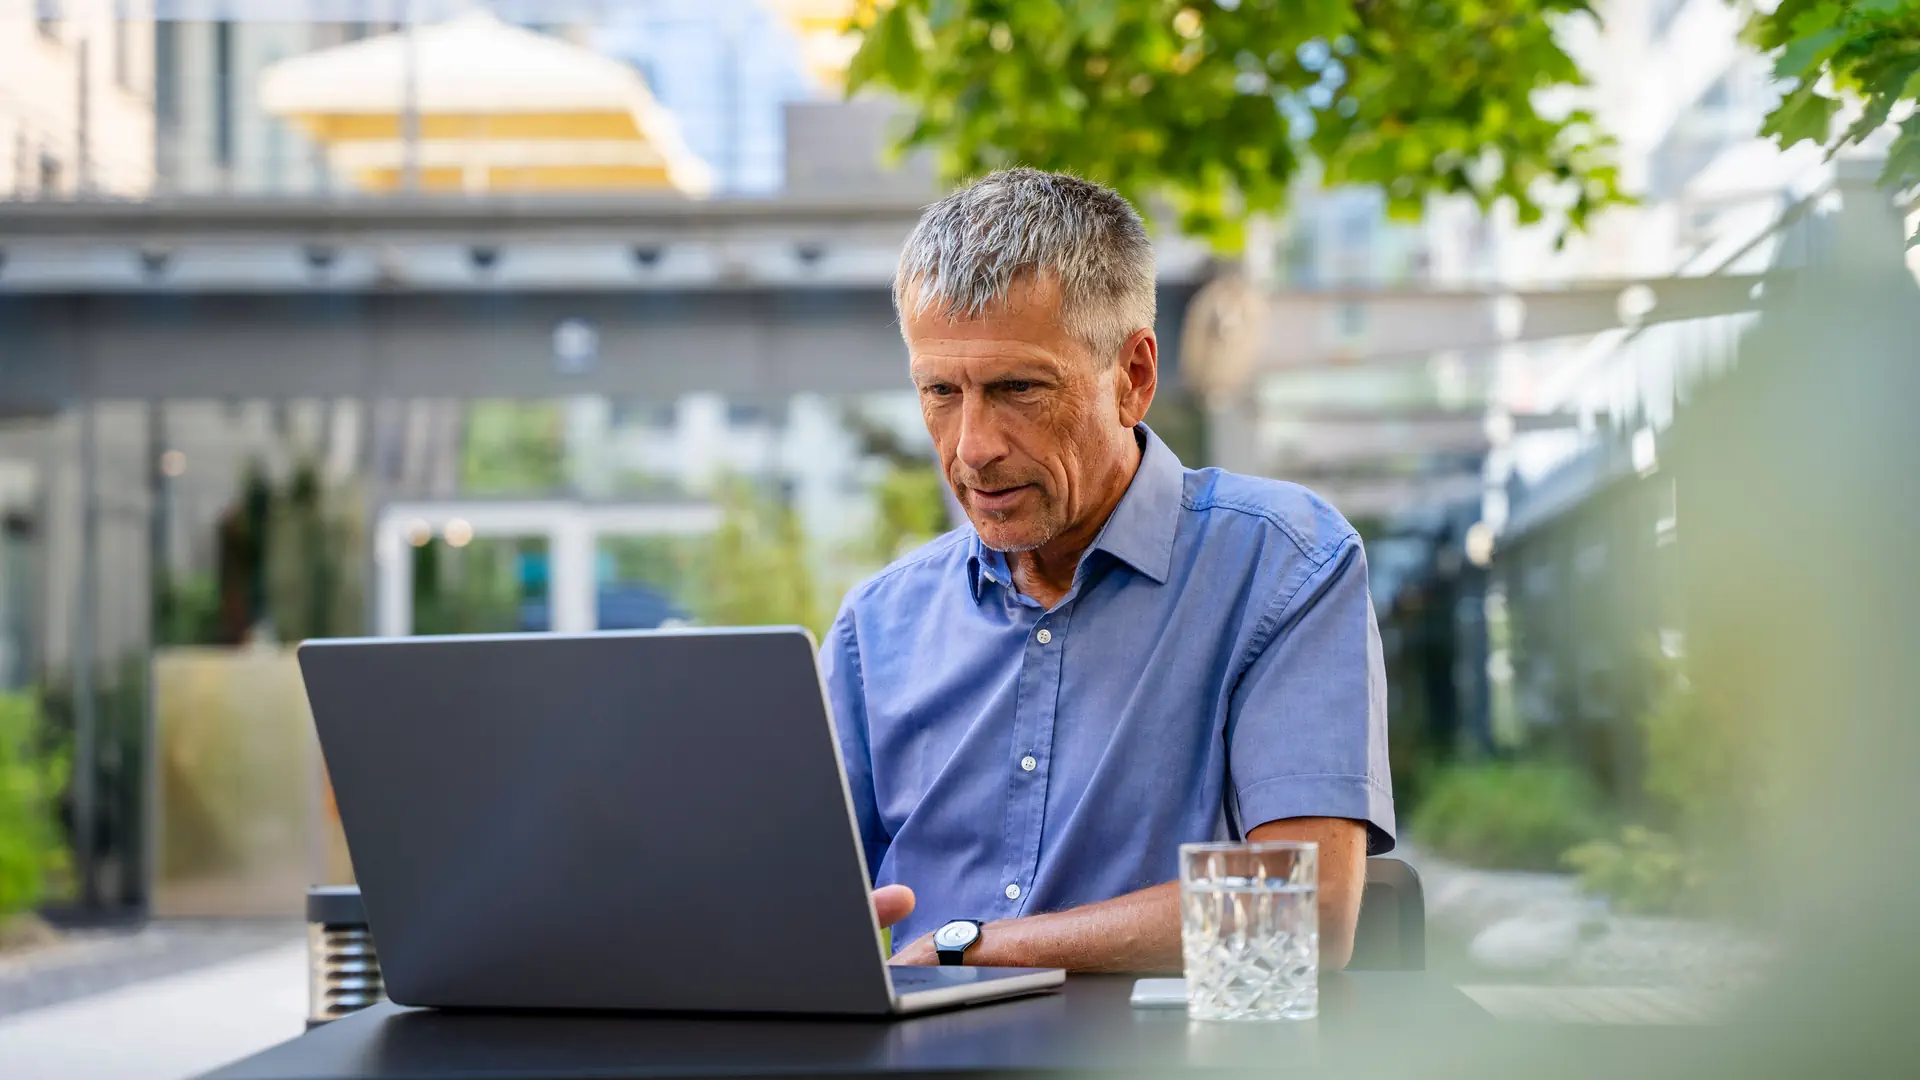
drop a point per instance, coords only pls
(846, 697)
(1307, 723)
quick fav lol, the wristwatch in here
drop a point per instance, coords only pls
(952, 941)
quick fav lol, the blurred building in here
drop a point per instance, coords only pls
(726, 69)
(821, 26)
(76, 99)
(1585, 523)
(1491, 477)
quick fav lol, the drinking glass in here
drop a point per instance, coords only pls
(1250, 930)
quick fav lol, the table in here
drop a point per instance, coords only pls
(1365, 1018)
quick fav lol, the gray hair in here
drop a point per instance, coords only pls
(972, 247)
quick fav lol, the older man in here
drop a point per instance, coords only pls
(1121, 654)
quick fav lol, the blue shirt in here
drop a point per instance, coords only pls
(1214, 666)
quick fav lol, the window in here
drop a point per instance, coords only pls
(223, 94)
(166, 88)
(47, 18)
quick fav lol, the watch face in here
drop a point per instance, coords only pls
(956, 935)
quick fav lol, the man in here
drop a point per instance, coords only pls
(1120, 655)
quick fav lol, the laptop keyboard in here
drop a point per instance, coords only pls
(913, 978)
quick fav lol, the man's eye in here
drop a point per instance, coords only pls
(940, 390)
(1017, 386)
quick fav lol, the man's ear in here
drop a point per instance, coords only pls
(1136, 375)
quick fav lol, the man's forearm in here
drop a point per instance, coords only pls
(1138, 932)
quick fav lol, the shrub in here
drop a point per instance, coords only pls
(1508, 815)
(1644, 872)
(1709, 792)
(30, 847)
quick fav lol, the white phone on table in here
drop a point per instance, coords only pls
(1160, 994)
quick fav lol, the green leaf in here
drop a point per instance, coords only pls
(1802, 54)
(1804, 115)
(902, 56)
(1903, 156)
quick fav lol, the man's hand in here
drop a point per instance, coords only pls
(920, 951)
(891, 903)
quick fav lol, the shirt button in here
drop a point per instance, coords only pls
(1045, 635)
(1029, 763)
(1013, 892)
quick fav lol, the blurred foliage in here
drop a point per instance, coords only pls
(1513, 815)
(31, 851)
(512, 448)
(240, 546)
(288, 555)
(1710, 784)
(666, 563)
(120, 695)
(186, 609)
(474, 589)
(1179, 417)
(1644, 872)
(911, 504)
(313, 559)
(1835, 50)
(910, 497)
(1706, 772)
(756, 570)
(1216, 109)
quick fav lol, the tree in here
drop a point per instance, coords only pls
(1216, 109)
(1867, 50)
(512, 448)
(911, 505)
(756, 571)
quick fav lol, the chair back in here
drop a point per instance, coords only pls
(1392, 932)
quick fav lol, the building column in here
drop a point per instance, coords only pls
(571, 591)
(393, 579)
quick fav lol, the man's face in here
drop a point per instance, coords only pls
(1030, 427)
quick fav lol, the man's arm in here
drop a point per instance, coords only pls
(840, 670)
(1343, 877)
(1136, 932)
(1141, 930)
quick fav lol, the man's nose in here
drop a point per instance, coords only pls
(981, 441)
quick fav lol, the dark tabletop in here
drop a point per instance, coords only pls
(1088, 1026)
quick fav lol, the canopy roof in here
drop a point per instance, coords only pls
(499, 106)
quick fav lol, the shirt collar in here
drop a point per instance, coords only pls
(1140, 531)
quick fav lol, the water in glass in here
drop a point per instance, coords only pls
(1250, 934)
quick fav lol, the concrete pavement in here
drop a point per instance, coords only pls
(163, 1029)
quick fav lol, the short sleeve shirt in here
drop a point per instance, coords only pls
(1215, 665)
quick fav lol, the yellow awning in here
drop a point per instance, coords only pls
(500, 109)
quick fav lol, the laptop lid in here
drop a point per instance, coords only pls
(621, 820)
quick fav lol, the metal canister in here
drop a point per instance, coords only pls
(343, 971)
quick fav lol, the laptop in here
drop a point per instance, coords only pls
(645, 820)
